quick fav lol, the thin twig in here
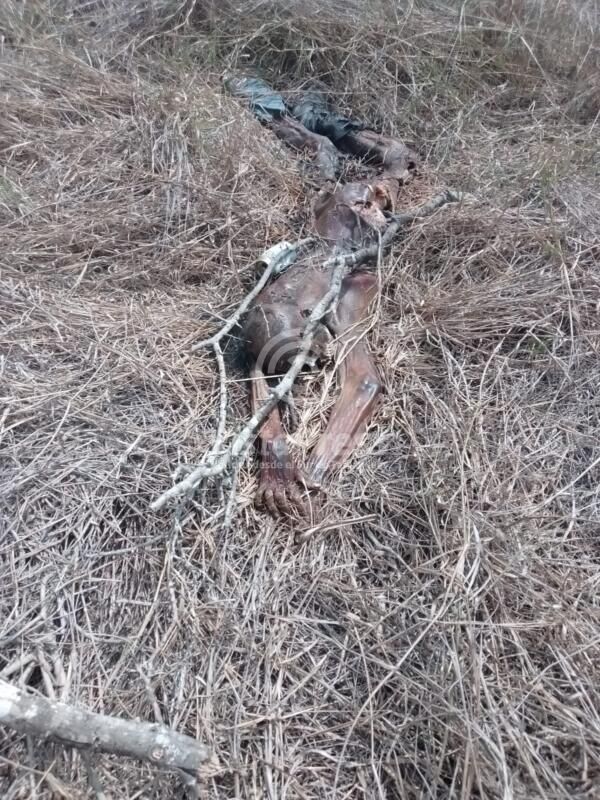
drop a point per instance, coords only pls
(228, 516)
(93, 778)
(17, 665)
(220, 435)
(276, 258)
(151, 694)
(340, 266)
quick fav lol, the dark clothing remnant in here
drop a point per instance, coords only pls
(265, 102)
(309, 108)
(312, 110)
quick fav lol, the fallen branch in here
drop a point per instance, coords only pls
(340, 266)
(276, 259)
(76, 727)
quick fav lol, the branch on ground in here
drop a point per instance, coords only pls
(46, 719)
(340, 266)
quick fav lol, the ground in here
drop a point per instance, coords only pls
(433, 629)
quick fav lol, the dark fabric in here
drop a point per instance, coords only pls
(311, 109)
(265, 102)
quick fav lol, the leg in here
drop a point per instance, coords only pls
(323, 152)
(279, 477)
(397, 160)
(358, 376)
(269, 106)
(391, 154)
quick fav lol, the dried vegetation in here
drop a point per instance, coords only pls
(434, 629)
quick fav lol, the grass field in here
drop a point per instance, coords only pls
(433, 630)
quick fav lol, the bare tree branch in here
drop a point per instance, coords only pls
(220, 435)
(47, 719)
(340, 266)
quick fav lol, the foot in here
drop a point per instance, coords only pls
(282, 482)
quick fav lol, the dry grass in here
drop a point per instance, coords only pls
(437, 632)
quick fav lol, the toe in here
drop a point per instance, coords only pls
(269, 501)
(259, 497)
(298, 502)
(282, 502)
